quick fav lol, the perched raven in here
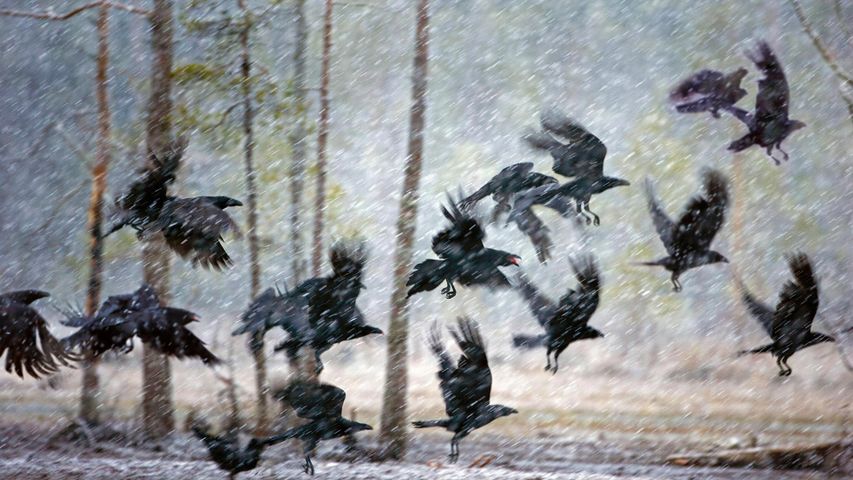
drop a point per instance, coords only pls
(708, 91)
(688, 242)
(567, 321)
(582, 158)
(464, 258)
(322, 405)
(225, 451)
(790, 324)
(769, 124)
(502, 187)
(192, 227)
(24, 337)
(121, 317)
(466, 387)
(320, 312)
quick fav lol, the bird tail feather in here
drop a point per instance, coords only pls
(763, 349)
(426, 276)
(430, 423)
(528, 341)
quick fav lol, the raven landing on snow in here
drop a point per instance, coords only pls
(322, 405)
(139, 314)
(192, 227)
(225, 451)
(790, 324)
(568, 321)
(466, 387)
(769, 124)
(688, 242)
(708, 91)
(29, 346)
(464, 258)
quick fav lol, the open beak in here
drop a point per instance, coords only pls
(515, 260)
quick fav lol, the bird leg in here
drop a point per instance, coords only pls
(582, 213)
(770, 154)
(595, 220)
(779, 147)
(676, 285)
(449, 291)
(788, 369)
(308, 467)
(454, 450)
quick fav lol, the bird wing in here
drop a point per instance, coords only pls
(508, 176)
(28, 344)
(259, 316)
(472, 380)
(465, 235)
(771, 102)
(195, 226)
(540, 306)
(798, 302)
(704, 215)
(532, 226)
(314, 400)
(758, 309)
(577, 306)
(583, 156)
(697, 86)
(164, 329)
(663, 224)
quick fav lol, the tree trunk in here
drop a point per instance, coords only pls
(393, 433)
(157, 408)
(89, 392)
(322, 135)
(297, 141)
(252, 216)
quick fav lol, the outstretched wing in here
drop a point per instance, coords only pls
(583, 156)
(465, 235)
(663, 224)
(798, 302)
(28, 344)
(578, 305)
(532, 226)
(772, 99)
(540, 306)
(758, 309)
(500, 183)
(194, 227)
(164, 329)
(697, 86)
(471, 383)
(314, 400)
(704, 215)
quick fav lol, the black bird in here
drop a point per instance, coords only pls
(790, 325)
(708, 91)
(226, 452)
(25, 339)
(121, 317)
(192, 227)
(769, 124)
(582, 158)
(502, 187)
(466, 387)
(464, 258)
(568, 321)
(320, 312)
(688, 242)
(322, 405)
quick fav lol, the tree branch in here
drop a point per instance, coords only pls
(819, 45)
(51, 15)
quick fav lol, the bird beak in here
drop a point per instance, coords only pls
(514, 411)
(515, 260)
(236, 203)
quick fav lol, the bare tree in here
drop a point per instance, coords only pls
(298, 137)
(322, 136)
(393, 433)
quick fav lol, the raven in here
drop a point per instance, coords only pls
(24, 338)
(463, 256)
(567, 321)
(582, 158)
(192, 227)
(466, 388)
(502, 187)
(688, 242)
(708, 91)
(121, 317)
(225, 451)
(769, 124)
(322, 405)
(789, 326)
(319, 312)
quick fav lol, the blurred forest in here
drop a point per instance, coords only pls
(493, 66)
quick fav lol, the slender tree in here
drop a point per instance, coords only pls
(298, 138)
(393, 432)
(322, 136)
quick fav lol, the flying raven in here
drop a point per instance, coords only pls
(708, 91)
(319, 312)
(790, 324)
(225, 451)
(502, 187)
(464, 258)
(121, 317)
(688, 242)
(24, 338)
(567, 321)
(769, 124)
(466, 387)
(322, 405)
(582, 158)
(192, 227)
